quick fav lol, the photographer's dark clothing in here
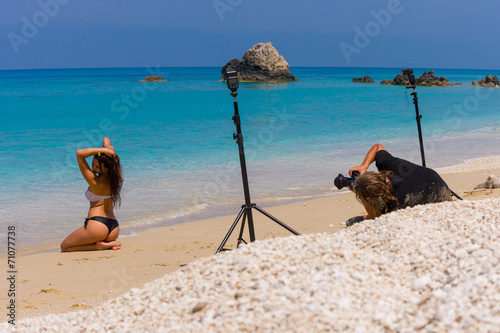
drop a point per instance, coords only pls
(412, 184)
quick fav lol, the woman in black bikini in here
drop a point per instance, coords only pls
(100, 229)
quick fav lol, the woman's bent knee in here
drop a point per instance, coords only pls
(64, 247)
(82, 236)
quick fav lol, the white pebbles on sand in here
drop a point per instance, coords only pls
(432, 268)
(475, 164)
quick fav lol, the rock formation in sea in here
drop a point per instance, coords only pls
(488, 81)
(153, 78)
(364, 79)
(262, 63)
(428, 79)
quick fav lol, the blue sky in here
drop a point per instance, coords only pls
(362, 33)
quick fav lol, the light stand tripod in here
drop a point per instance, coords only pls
(411, 79)
(246, 209)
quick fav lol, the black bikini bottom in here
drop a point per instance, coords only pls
(110, 223)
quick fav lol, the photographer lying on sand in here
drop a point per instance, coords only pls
(100, 230)
(398, 184)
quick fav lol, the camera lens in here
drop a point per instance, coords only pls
(338, 181)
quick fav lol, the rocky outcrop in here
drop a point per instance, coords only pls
(153, 78)
(401, 80)
(431, 80)
(262, 63)
(428, 79)
(386, 82)
(364, 79)
(488, 81)
(231, 65)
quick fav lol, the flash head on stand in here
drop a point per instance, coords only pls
(411, 76)
(232, 80)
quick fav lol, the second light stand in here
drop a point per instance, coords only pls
(418, 116)
(245, 213)
(411, 79)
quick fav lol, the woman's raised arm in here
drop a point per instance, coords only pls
(106, 142)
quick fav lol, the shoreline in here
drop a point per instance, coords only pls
(53, 247)
(55, 282)
(473, 164)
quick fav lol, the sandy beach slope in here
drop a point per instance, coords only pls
(54, 282)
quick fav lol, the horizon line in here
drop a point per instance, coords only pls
(339, 67)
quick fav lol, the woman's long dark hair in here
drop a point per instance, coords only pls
(114, 174)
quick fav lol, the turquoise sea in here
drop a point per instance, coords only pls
(175, 142)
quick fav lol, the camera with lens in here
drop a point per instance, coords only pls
(411, 76)
(342, 181)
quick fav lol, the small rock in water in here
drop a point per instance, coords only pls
(153, 78)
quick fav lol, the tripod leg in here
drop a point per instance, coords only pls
(251, 230)
(240, 237)
(230, 230)
(276, 220)
(453, 193)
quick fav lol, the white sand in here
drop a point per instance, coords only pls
(432, 268)
(476, 164)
